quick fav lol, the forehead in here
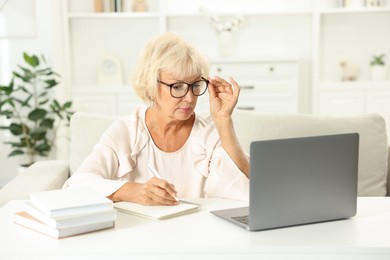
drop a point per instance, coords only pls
(170, 76)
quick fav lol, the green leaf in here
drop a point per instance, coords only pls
(43, 94)
(26, 71)
(44, 102)
(26, 102)
(37, 114)
(26, 141)
(47, 123)
(32, 60)
(21, 102)
(67, 104)
(43, 147)
(14, 144)
(18, 75)
(46, 71)
(24, 89)
(16, 129)
(7, 100)
(8, 89)
(7, 113)
(16, 152)
(56, 104)
(51, 83)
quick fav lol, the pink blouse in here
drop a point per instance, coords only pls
(201, 168)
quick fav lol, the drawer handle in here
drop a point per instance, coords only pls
(271, 69)
(247, 87)
(246, 108)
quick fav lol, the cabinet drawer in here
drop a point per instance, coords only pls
(271, 104)
(269, 86)
(241, 71)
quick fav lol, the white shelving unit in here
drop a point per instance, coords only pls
(353, 35)
(309, 37)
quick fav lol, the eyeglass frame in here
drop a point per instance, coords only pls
(188, 87)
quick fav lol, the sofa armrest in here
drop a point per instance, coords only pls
(42, 175)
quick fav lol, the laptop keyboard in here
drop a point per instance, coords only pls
(242, 219)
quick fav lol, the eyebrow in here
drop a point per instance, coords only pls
(182, 81)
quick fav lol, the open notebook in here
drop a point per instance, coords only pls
(157, 212)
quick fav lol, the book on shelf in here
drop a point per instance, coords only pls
(69, 202)
(26, 220)
(157, 212)
(71, 221)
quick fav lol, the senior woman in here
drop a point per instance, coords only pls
(195, 156)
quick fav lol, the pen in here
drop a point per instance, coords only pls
(155, 173)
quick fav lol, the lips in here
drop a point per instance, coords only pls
(186, 109)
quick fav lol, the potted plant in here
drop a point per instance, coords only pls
(378, 68)
(33, 113)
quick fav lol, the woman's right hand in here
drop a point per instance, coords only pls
(153, 192)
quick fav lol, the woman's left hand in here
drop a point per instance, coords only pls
(223, 97)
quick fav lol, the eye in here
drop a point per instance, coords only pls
(197, 84)
(179, 86)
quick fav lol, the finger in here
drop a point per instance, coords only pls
(236, 87)
(156, 199)
(211, 88)
(164, 189)
(224, 85)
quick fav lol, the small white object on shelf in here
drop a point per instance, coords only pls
(110, 72)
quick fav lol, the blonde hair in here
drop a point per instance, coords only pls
(168, 52)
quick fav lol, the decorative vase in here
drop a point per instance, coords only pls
(378, 73)
(225, 43)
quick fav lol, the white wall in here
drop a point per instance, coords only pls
(44, 41)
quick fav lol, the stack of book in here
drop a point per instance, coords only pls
(64, 213)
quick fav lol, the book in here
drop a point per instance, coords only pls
(71, 221)
(62, 203)
(157, 212)
(24, 219)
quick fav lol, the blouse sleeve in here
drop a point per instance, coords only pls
(112, 157)
(223, 178)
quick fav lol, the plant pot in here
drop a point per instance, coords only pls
(22, 168)
(378, 73)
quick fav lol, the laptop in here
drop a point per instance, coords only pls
(299, 181)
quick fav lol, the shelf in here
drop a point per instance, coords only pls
(305, 38)
(354, 10)
(112, 15)
(355, 85)
(270, 59)
(257, 13)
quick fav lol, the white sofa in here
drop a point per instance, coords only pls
(87, 128)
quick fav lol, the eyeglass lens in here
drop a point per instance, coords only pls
(180, 89)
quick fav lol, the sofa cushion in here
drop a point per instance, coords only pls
(42, 175)
(372, 175)
(86, 130)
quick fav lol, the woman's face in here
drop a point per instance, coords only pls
(175, 108)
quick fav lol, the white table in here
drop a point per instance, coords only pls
(203, 236)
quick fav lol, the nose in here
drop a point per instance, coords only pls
(190, 97)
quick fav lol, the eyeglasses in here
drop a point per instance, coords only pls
(180, 89)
